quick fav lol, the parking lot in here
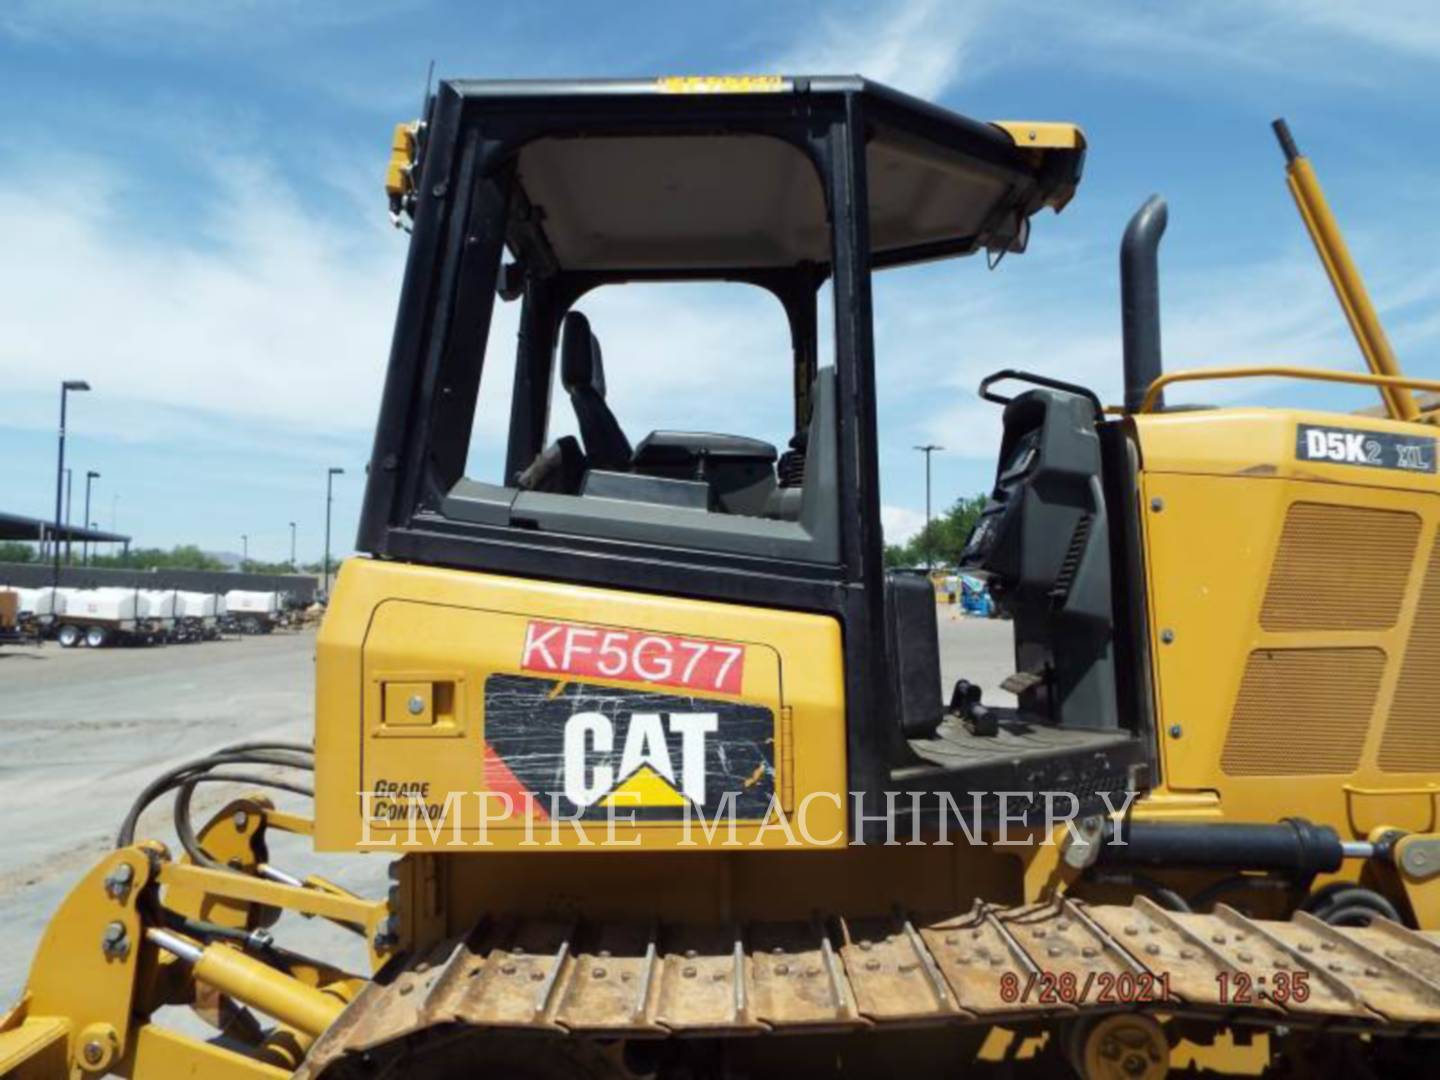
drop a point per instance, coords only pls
(83, 730)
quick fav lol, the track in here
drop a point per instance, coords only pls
(988, 966)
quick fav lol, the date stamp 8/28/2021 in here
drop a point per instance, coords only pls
(1140, 988)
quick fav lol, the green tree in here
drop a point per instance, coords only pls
(15, 551)
(255, 566)
(897, 555)
(181, 557)
(940, 542)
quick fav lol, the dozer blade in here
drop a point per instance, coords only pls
(1062, 961)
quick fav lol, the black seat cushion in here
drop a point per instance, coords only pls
(582, 372)
(676, 448)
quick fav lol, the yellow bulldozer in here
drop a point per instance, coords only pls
(658, 751)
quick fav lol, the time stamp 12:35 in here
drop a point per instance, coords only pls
(1128, 988)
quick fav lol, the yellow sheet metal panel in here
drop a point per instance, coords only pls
(1255, 683)
(570, 702)
(720, 884)
(34, 1049)
(1412, 736)
(167, 1054)
(1044, 134)
(1252, 442)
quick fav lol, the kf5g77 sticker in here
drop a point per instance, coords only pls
(633, 656)
(1370, 449)
(588, 751)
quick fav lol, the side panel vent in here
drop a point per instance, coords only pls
(1411, 742)
(1302, 711)
(1066, 577)
(1340, 568)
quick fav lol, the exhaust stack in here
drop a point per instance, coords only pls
(1140, 300)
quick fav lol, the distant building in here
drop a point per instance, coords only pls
(29, 530)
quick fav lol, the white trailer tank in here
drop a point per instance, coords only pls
(197, 615)
(96, 616)
(112, 604)
(157, 604)
(241, 602)
(196, 605)
(38, 603)
(252, 612)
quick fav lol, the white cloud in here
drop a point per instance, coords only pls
(927, 47)
(259, 312)
(900, 523)
(1330, 43)
(139, 21)
(1405, 26)
(919, 46)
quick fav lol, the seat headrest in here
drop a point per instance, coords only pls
(580, 363)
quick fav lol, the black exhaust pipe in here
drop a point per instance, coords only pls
(1140, 300)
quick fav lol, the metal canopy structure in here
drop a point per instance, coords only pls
(35, 530)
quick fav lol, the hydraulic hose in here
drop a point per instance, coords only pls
(184, 828)
(285, 755)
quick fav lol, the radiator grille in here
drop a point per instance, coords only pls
(1340, 568)
(1302, 711)
(1411, 742)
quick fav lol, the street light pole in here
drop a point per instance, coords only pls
(65, 387)
(244, 550)
(292, 545)
(69, 489)
(329, 498)
(90, 474)
(927, 450)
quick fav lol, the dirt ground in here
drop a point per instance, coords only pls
(82, 731)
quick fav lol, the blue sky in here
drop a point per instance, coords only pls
(191, 218)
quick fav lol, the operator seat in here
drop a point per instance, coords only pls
(583, 376)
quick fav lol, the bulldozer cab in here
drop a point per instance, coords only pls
(541, 192)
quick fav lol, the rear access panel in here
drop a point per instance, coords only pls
(480, 712)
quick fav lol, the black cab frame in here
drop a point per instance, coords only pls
(541, 191)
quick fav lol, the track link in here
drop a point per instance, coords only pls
(1049, 962)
